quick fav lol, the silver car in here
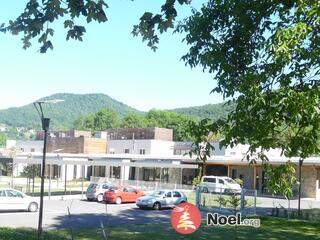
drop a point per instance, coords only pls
(162, 198)
(95, 191)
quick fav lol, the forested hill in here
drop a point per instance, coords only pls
(62, 114)
(211, 111)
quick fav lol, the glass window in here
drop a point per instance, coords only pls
(176, 194)
(168, 194)
(157, 193)
(105, 186)
(142, 151)
(210, 180)
(132, 190)
(221, 181)
(11, 193)
(113, 189)
(2, 193)
(127, 150)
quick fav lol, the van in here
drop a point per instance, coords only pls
(217, 184)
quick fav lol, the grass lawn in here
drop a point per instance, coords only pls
(271, 228)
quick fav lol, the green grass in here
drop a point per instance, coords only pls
(271, 228)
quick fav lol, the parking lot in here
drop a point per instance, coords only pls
(84, 214)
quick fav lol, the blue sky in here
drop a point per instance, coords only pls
(109, 60)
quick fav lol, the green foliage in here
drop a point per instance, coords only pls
(264, 56)
(210, 111)
(105, 119)
(239, 181)
(196, 181)
(85, 123)
(3, 139)
(281, 179)
(31, 171)
(234, 202)
(154, 118)
(166, 119)
(222, 201)
(201, 147)
(134, 120)
(37, 17)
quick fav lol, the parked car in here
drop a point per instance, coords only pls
(11, 199)
(217, 184)
(121, 194)
(95, 191)
(162, 198)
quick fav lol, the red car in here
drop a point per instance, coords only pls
(122, 194)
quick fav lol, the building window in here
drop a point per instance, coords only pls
(142, 151)
(74, 171)
(127, 150)
(233, 153)
(22, 149)
(115, 172)
(234, 174)
(32, 150)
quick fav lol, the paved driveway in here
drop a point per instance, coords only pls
(84, 214)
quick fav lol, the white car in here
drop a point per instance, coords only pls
(219, 184)
(11, 199)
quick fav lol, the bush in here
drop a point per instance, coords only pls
(196, 181)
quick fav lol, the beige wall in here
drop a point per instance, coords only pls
(95, 145)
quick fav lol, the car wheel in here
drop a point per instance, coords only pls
(118, 200)
(205, 190)
(33, 207)
(100, 198)
(156, 206)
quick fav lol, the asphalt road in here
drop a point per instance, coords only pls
(83, 214)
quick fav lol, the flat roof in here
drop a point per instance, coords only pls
(142, 160)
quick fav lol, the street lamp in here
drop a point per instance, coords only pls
(45, 126)
(299, 193)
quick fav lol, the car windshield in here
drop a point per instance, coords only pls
(157, 193)
(92, 185)
(113, 189)
(229, 180)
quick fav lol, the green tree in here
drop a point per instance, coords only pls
(264, 56)
(166, 119)
(85, 123)
(282, 180)
(134, 120)
(105, 119)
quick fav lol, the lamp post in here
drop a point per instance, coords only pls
(45, 127)
(299, 197)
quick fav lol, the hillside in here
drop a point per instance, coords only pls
(62, 114)
(211, 111)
